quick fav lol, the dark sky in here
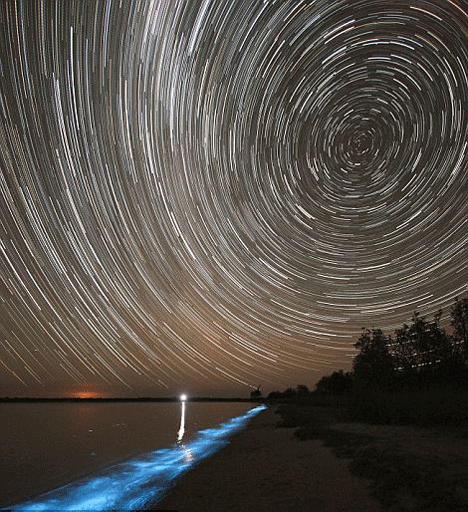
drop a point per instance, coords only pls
(211, 195)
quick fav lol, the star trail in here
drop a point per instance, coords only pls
(217, 194)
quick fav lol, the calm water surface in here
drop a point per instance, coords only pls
(45, 445)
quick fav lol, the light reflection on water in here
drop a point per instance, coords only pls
(143, 480)
(181, 432)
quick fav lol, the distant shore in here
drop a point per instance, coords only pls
(116, 399)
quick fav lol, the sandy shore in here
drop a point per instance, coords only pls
(265, 469)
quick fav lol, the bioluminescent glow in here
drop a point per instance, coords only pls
(140, 481)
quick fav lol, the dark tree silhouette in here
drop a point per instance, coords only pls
(459, 322)
(302, 390)
(275, 395)
(289, 393)
(423, 351)
(338, 383)
(374, 365)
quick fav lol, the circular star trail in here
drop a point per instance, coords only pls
(217, 194)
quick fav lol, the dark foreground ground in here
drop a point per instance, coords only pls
(299, 457)
(409, 467)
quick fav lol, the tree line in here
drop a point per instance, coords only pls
(420, 354)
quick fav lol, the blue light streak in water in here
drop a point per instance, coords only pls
(140, 481)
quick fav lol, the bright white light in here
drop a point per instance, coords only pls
(183, 398)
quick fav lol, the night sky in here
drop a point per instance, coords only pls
(210, 195)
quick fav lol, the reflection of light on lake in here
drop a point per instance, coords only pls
(140, 481)
(188, 454)
(181, 432)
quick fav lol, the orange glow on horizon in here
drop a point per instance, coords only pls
(86, 394)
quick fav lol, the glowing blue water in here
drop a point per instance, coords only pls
(140, 481)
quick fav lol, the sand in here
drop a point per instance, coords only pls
(265, 469)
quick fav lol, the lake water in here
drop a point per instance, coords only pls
(46, 445)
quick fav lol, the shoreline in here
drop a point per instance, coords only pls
(264, 468)
(131, 445)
